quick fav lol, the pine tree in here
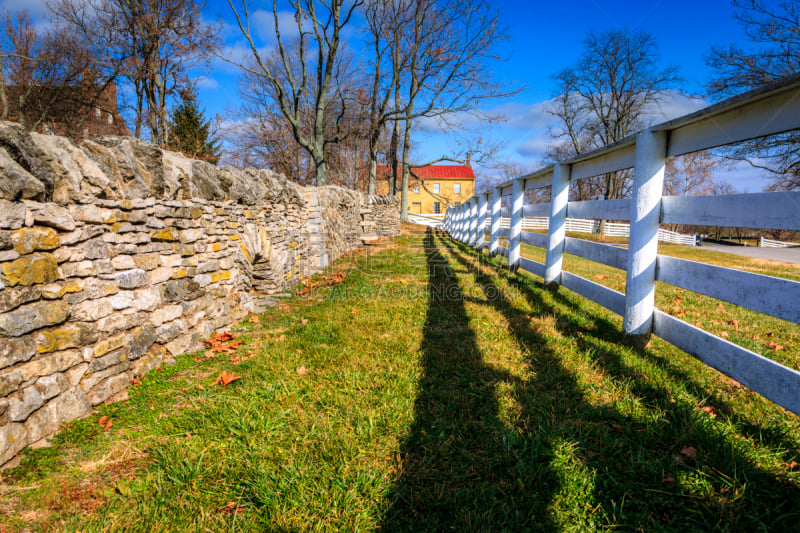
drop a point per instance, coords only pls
(189, 131)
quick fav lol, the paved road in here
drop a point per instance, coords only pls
(787, 255)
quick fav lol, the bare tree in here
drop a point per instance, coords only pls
(319, 35)
(450, 47)
(774, 30)
(47, 77)
(604, 97)
(152, 43)
(690, 175)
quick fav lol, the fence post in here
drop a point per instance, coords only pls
(640, 287)
(480, 239)
(473, 216)
(462, 224)
(557, 227)
(494, 238)
(515, 230)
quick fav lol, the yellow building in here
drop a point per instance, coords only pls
(432, 189)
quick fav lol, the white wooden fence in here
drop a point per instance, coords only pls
(583, 225)
(771, 109)
(769, 243)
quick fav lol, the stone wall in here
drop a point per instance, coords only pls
(130, 256)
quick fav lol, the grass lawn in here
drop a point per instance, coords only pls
(431, 391)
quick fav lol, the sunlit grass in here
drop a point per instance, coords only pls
(387, 402)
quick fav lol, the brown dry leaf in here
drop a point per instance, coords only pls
(616, 426)
(709, 410)
(254, 319)
(231, 508)
(354, 311)
(225, 378)
(281, 338)
(735, 324)
(286, 307)
(724, 334)
(599, 277)
(689, 451)
(108, 425)
(775, 346)
(792, 465)
(103, 420)
(209, 354)
(722, 308)
(303, 321)
(302, 371)
(669, 479)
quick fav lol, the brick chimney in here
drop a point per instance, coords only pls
(469, 159)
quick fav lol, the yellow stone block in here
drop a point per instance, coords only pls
(54, 292)
(220, 276)
(233, 237)
(108, 345)
(216, 247)
(219, 211)
(196, 212)
(72, 336)
(27, 240)
(30, 270)
(115, 227)
(293, 244)
(180, 273)
(244, 250)
(165, 235)
(234, 224)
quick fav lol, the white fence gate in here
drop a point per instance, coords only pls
(769, 243)
(771, 109)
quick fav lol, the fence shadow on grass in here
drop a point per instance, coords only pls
(462, 469)
(629, 456)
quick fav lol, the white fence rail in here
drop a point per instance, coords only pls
(772, 109)
(584, 225)
(769, 243)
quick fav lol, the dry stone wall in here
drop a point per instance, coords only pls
(115, 257)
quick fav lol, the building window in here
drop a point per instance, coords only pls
(415, 188)
(110, 118)
(435, 188)
(437, 208)
(457, 188)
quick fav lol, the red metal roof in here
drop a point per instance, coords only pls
(438, 172)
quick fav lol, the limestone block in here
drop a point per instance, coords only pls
(92, 289)
(93, 378)
(95, 249)
(51, 386)
(81, 269)
(181, 345)
(166, 314)
(203, 280)
(131, 279)
(16, 182)
(108, 345)
(208, 266)
(111, 359)
(140, 340)
(27, 240)
(8, 255)
(123, 262)
(64, 408)
(103, 266)
(33, 316)
(75, 374)
(171, 260)
(51, 215)
(147, 299)
(11, 298)
(171, 331)
(181, 289)
(160, 275)
(12, 214)
(120, 321)
(108, 388)
(31, 269)
(191, 235)
(149, 361)
(56, 291)
(13, 351)
(13, 438)
(122, 300)
(147, 261)
(49, 364)
(19, 408)
(92, 310)
(72, 335)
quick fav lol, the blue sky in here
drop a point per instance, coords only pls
(544, 38)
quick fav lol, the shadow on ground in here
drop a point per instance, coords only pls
(565, 462)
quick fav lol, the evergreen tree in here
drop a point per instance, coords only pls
(189, 131)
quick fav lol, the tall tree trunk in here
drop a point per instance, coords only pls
(406, 169)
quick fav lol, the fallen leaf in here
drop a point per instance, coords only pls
(599, 277)
(103, 420)
(792, 465)
(254, 319)
(689, 451)
(735, 324)
(281, 338)
(108, 425)
(669, 479)
(724, 334)
(303, 321)
(618, 427)
(231, 508)
(302, 371)
(226, 378)
(709, 410)
(775, 346)
(286, 307)
(354, 311)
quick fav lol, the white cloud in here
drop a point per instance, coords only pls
(207, 83)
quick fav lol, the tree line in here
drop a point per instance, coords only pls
(347, 84)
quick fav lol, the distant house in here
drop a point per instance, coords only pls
(76, 111)
(433, 188)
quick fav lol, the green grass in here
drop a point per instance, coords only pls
(441, 393)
